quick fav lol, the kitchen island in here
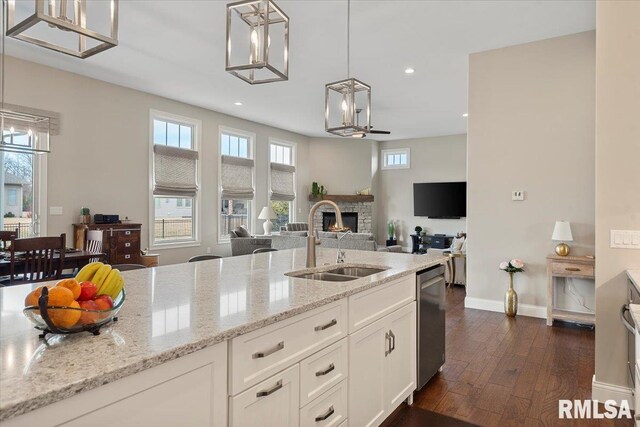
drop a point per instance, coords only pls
(213, 310)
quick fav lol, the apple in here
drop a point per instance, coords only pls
(88, 291)
(104, 302)
(88, 318)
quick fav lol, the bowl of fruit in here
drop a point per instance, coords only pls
(90, 300)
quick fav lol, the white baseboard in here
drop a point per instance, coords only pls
(603, 391)
(498, 306)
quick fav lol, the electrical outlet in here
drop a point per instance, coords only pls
(208, 250)
(517, 195)
(55, 210)
(625, 239)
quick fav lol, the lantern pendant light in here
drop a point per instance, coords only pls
(61, 25)
(257, 41)
(344, 99)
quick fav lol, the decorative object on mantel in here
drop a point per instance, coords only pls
(511, 297)
(46, 24)
(267, 213)
(346, 198)
(264, 41)
(364, 192)
(317, 190)
(562, 234)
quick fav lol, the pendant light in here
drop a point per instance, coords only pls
(20, 132)
(257, 41)
(344, 99)
(61, 25)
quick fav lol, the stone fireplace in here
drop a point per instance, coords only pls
(349, 219)
(357, 212)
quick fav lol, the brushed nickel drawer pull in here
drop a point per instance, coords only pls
(572, 269)
(327, 326)
(127, 256)
(330, 412)
(269, 352)
(387, 339)
(127, 245)
(273, 389)
(392, 337)
(127, 232)
(326, 371)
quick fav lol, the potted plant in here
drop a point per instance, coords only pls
(511, 297)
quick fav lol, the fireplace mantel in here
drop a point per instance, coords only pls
(346, 198)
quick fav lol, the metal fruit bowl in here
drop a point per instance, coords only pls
(90, 320)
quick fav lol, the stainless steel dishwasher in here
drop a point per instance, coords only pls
(430, 292)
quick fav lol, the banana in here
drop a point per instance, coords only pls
(88, 271)
(100, 276)
(111, 283)
(117, 288)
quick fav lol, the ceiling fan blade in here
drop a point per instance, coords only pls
(381, 132)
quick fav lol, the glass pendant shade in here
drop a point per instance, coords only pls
(347, 108)
(257, 41)
(24, 133)
(78, 28)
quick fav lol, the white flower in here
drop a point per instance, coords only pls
(516, 263)
(504, 265)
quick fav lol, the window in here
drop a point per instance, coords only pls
(12, 197)
(236, 189)
(282, 182)
(396, 159)
(175, 166)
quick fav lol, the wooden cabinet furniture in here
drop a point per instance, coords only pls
(579, 267)
(121, 242)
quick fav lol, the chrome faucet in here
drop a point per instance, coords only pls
(311, 238)
(341, 254)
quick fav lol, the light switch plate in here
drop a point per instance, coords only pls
(517, 195)
(625, 239)
(55, 210)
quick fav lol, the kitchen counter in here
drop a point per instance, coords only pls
(172, 311)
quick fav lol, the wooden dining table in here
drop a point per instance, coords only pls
(72, 260)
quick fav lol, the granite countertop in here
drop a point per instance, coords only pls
(171, 311)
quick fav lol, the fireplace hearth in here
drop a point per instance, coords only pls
(349, 219)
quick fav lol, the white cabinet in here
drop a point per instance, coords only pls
(328, 410)
(271, 403)
(382, 366)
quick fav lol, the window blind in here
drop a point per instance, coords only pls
(282, 183)
(237, 178)
(174, 171)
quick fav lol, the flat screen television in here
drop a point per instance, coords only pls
(440, 199)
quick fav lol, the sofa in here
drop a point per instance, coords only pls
(243, 243)
(357, 241)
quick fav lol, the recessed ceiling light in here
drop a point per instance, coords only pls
(465, 115)
(237, 103)
(409, 70)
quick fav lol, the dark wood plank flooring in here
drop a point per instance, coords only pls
(509, 372)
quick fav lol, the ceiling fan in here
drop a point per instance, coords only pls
(369, 130)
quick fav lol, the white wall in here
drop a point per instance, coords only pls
(100, 159)
(617, 175)
(530, 127)
(436, 159)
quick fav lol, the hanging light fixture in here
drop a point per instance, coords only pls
(345, 99)
(20, 132)
(257, 41)
(61, 25)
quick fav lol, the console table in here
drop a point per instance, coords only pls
(579, 267)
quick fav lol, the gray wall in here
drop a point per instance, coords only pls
(436, 159)
(530, 127)
(617, 176)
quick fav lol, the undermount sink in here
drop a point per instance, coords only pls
(356, 271)
(327, 277)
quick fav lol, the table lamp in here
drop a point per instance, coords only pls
(267, 214)
(562, 233)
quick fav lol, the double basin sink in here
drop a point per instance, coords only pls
(340, 274)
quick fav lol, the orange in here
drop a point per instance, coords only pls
(65, 318)
(33, 296)
(60, 296)
(72, 285)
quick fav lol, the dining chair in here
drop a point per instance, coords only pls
(36, 259)
(203, 258)
(93, 244)
(129, 267)
(261, 250)
(6, 236)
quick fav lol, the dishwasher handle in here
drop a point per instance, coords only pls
(623, 311)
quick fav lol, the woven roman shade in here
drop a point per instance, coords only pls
(237, 178)
(174, 171)
(282, 183)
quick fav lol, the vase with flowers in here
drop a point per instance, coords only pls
(511, 297)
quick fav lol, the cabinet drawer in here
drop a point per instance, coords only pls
(330, 409)
(272, 403)
(323, 370)
(132, 236)
(572, 269)
(259, 354)
(369, 306)
(128, 247)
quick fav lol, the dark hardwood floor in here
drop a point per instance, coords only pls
(508, 372)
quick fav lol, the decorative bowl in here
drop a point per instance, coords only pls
(89, 320)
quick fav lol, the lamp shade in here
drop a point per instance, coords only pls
(267, 213)
(562, 232)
